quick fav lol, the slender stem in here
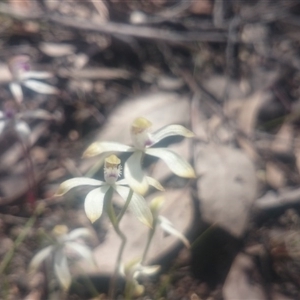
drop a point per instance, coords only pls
(124, 208)
(149, 240)
(115, 223)
(129, 290)
(29, 168)
(115, 220)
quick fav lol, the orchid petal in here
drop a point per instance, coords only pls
(168, 227)
(97, 148)
(39, 258)
(61, 269)
(153, 182)
(40, 87)
(137, 205)
(78, 233)
(171, 130)
(176, 164)
(74, 182)
(16, 91)
(93, 204)
(36, 75)
(146, 270)
(134, 174)
(81, 250)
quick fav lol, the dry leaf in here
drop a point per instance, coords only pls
(168, 83)
(5, 74)
(95, 73)
(235, 90)
(248, 147)
(275, 176)
(101, 7)
(201, 7)
(218, 130)
(250, 107)
(283, 142)
(57, 50)
(226, 188)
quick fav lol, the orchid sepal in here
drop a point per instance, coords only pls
(137, 205)
(98, 148)
(168, 227)
(39, 258)
(171, 130)
(94, 201)
(61, 270)
(174, 161)
(69, 184)
(134, 174)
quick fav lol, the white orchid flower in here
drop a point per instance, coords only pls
(142, 141)
(65, 245)
(94, 201)
(22, 74)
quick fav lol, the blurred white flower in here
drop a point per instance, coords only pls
(134, 269)
(10, 119)
(22, 74)
(142, 141)
(131, 271)
(66, 246)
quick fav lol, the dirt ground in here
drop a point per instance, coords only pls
(236, 66)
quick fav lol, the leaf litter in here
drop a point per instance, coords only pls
(228, 71)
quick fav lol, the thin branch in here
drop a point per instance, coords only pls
(117, 28)
(140, 31)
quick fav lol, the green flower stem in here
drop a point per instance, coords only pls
(124, 208)
(150, 237)
(129, 288)
(114, 220)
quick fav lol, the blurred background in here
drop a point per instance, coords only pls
(74, 72)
